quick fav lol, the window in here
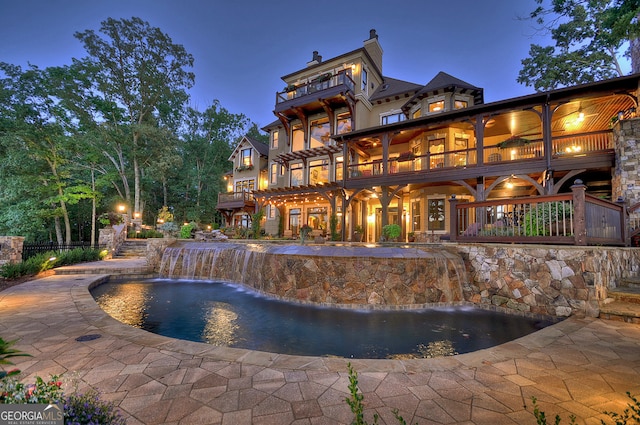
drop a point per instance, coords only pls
(319, 134)
(317, 218)
(338, 173)
(344, 123)
(274, 139)
(437, 106)
(296, 174)
(436, 153)
(364, 81)
(415, 215)
(297, 138)
(417, 113)
(245, 185)
(319, 171)
(294, 220)
(391, 118)
(273, 173)
(245, 157)
(460, 104)
(436, 214)
(271, 211)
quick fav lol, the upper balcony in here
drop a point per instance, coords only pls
(326, 90)
(235, 201)
(567, 152)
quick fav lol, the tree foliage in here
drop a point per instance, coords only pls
(590, 40)
(74, 137)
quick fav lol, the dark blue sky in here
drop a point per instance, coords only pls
(242, 48)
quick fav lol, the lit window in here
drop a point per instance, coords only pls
(436, 106)
(245, 185)
(319, 134)
(417, 113)
(297, 137)
(460, 104)
(273, 174)
(271, 212)
(344, 123)
(274, 139)
(436, 214)
(319, 171)
(338, 173)
(245, 157)
(296, 174)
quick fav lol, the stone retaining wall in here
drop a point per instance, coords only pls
(549, 280)
(553, 280)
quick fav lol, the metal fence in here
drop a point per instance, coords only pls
(29, 250)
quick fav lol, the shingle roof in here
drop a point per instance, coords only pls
(262, 148)
(445, 82)
(392, 87)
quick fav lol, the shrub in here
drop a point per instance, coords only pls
(187, 230)
(144, 234)
(255, 223)
(539, 218)
(89, 409)
(48, 260)
(392, 232)
(170, 228)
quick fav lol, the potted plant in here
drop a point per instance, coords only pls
(358, 231)
(391, 232)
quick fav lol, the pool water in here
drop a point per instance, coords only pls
(227, 314)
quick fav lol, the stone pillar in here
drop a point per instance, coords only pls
(626, 173)
(11, 249)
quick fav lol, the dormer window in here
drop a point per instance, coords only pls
(437, 106)
(460, 104)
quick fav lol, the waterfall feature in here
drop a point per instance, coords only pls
(325, 274)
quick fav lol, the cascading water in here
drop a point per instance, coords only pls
(325, 274)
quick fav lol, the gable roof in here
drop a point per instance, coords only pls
(262, 148)
(442, 83)
(392, 87)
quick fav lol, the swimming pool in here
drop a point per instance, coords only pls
(226, 314)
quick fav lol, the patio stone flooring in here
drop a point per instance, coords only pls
(579, 366)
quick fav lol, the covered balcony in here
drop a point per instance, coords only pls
(327, 90)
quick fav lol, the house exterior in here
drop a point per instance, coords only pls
(371, 150)
(249, 174)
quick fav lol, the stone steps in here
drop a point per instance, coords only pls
(132, 248)
(623, 303)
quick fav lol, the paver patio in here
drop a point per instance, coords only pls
(579, 366)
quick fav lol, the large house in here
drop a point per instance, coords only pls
(351, 143)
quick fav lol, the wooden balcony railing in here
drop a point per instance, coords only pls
(235, 197)
(573, 218)
(323, 82)
(565, 146)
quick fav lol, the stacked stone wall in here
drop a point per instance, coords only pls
(557, 281)
(11, 249)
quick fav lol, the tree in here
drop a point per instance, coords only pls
(144, 73)
(590, 39)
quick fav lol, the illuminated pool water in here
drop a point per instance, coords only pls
(229, 315)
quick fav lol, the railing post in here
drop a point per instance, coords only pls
(579, 213)
(453, 218)
(624, 222)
